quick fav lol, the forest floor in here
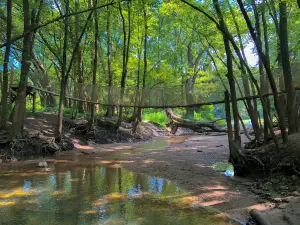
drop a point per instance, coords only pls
(187, 160)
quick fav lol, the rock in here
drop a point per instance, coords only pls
(283, 187)
(296, 193)
(282, 206)
(42, 164)
(298, 189)
(199, 150)
(1, 160)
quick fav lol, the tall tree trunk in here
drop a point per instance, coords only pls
(267, 67)
(109, 68)
(63, 81)
(28, 41)
(260, 65)
(126, 44)
(4, 99)
(139, 112)
(11, 81)
(138, 92)
(287, 74)
(190, 81)
(78, 64)
(95, 64)
(264, 84)
(230, 77)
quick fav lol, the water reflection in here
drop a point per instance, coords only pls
(93, 194)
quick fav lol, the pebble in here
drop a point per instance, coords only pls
(42, 164)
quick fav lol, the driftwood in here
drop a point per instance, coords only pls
(193, 125)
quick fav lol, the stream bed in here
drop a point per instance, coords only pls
(77, 190)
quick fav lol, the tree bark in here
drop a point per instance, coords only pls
(109, 68)
(78, 64)
(189, 83)
(63, 81)
(237, 137)
(287, 74)
(95, 64)
(139, 111)
(264, 85)
(126, 44)
(233, 153)
(4, 99)
(12, 75)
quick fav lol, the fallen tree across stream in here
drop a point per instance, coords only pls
(193, 125)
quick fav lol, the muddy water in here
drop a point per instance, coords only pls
(77, 190)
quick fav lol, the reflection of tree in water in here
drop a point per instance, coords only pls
(156, 184)
(76, 194)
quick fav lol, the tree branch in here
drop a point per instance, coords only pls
(55, 20)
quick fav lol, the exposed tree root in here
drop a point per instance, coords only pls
(266, 160)
(259, 218)
(27, 145)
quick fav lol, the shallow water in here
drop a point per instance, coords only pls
(79, 191)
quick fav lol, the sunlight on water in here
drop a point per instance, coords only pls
(92, 194)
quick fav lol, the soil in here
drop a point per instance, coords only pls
(187, 161)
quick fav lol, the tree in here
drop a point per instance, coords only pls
(95, 63)
(125, 57)
(4, 99)
(30, 23)
(64, 75)
(287, 74)
(267, 67)
(230, 76)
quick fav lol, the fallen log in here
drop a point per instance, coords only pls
(193, 125)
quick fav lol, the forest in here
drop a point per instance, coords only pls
(207, 66)
(122, 58)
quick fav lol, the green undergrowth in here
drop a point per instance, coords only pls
(158, 117)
